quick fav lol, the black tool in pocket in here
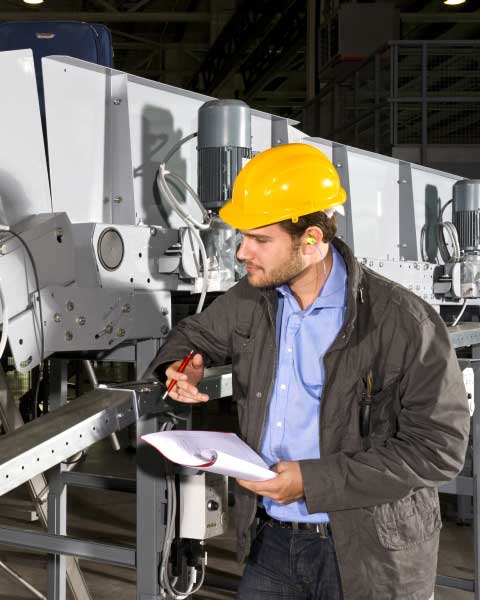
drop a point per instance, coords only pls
(366, 407)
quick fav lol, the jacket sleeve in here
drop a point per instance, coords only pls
(428, 448)
(208, 333)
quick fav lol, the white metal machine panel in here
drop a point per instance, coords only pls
(159, 118)
(295, 135)
(75, 110)
(321, 144)
(86, 146)
(24, 186)
(142, 250)
(87, 319)
(415, 276)
(46, 236)
(374, 203)
(261, 133)
(431, 190)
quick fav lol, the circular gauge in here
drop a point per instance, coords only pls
(110, 249)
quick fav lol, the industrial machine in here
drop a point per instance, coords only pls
(97, 242)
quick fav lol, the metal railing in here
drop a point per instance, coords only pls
(407, 92)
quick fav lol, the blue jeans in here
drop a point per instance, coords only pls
(290, 564)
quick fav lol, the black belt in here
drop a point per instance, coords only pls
(323, 529)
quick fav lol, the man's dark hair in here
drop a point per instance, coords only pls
(316, 219)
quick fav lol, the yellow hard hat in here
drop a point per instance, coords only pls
(285, 182)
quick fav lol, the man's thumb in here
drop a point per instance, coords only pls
(197, 361)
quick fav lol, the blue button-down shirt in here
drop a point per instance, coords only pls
(303, 336)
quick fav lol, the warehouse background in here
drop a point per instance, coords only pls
(400, 78)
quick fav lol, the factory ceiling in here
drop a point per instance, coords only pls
(253, 50)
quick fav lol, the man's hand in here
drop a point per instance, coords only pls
(285, 488)
(185, 390)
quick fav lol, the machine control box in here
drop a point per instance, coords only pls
(203, 505)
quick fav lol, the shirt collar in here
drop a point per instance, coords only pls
(333, 292)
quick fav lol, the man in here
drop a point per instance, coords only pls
(345, 383)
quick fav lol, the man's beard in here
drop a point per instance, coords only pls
(280, 275)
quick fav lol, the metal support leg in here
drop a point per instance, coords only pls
(151, 497)
(57, 497)
(476, 473)
(57, 524)
(11, 420)
(88, 366)
(464, 511)
(151, 511)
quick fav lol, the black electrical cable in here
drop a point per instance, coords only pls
(40, 311)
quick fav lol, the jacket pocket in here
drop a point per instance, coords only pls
(379, 413)
(242, 349)
(409, 520)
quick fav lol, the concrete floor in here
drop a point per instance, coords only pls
(110, 517)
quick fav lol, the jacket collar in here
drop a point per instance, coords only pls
(355, 290)
(355, 293)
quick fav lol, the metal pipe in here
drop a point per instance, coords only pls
(108, 17)
(22, 581)
(90, 372)
(94, 381)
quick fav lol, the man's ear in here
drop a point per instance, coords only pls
(312, 237)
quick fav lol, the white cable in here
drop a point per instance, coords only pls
(165, 581)
(460, 314)
(163, 185)
(453, 235)
(191, 223)
(203, 254)
(191, 191)
(422, 243)
(176, 147)
(4, 338)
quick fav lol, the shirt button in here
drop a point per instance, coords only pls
(289, 349)
(279, 423)
(283, 387)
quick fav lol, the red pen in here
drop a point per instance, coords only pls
(181, 369)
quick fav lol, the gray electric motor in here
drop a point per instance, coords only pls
(224, 145)
(466, 214)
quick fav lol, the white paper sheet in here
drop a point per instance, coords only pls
(218, 452)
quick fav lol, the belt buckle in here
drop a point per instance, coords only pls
(294, 525)
(322, 530)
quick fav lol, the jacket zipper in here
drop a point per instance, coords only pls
(327, 378)
(272, 378)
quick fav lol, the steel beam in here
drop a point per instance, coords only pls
(123, 556)
(311, 49)
(138, 5)
(277, 50)
(108, 17)
(446, 17)
(45, 442)
(104, 4)
(99, 482)
(247, 27)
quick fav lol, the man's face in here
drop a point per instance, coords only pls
(270, 255)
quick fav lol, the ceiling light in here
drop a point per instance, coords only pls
(448, 2)
(33, 1)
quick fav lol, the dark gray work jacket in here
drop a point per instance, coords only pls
(380, 490)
